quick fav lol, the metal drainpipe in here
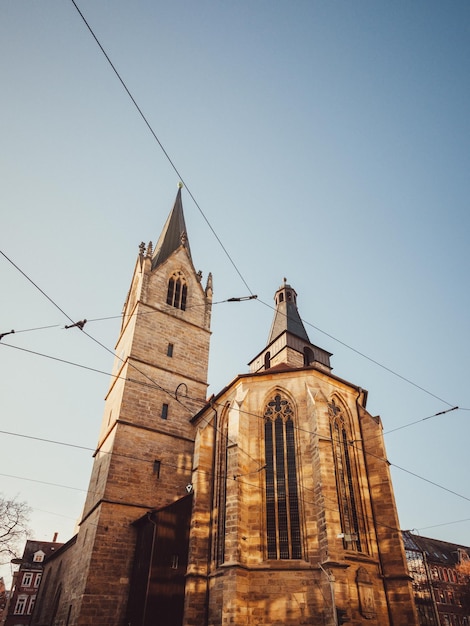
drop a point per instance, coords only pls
(211, 516)
(331, 581)
(430, 587)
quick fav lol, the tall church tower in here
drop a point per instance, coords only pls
(143, 459)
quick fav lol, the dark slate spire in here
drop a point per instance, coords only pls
(288, 343)
(287, 318)
(173, 234)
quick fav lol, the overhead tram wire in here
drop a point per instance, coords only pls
(237, 478)
(243, 298)
(154, 135)
(224, 249)
(35, 285)
(383, 459)
(121, 316)
(81, 325)
(251, 297)
(260, 468)
(405, 379)
(147, 123)
(258, 416)
(365, 356)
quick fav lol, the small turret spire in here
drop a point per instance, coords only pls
(288, 343)
(287, 318)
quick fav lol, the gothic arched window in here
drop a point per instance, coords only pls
(345, 482)
(282, 498)
(177, 291)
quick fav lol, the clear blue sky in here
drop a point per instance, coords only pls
(327, 142)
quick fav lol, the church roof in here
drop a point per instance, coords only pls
(173, 234)
(286, 317)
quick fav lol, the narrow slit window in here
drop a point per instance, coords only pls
(165, 411)
(157, 467)
(169, 351)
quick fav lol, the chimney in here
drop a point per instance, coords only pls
(54, 538)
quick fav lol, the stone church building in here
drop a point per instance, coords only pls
(268, 504)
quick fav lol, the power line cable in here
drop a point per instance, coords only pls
(423, 419)
(388, 369)
(122, 316)
(174, 396)
(457, 521)
(365, 356)
(171, 162)
(81, 325)
(236, 300)
(36, 286)
(231, 260)
(296, 427)
(260, 466)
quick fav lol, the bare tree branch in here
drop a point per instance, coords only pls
(14, 517)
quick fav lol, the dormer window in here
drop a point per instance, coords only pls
(39, 556)
(177, 291)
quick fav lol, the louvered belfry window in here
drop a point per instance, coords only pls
(177, 291)
(345, 479)
(282, 497)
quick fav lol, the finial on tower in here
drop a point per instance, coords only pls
(180, 185)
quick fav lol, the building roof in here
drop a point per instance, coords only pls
(33, 546)
(173, 234)
(437, 551)
(214, 399)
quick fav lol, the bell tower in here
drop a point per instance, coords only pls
(144, 453)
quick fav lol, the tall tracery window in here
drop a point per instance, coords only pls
(282, 497)
(220, 501)
(177, 291)
(345, 483)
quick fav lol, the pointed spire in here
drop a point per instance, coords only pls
(286, 317)
(173, 234)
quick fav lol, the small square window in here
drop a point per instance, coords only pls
(165, 411)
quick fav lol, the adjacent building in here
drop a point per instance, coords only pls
(268, 504)
(441, 580)
(27, 580)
